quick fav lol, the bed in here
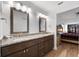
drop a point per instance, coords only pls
(72, 35)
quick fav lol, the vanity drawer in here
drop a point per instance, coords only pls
(41, 39)
(30, 43)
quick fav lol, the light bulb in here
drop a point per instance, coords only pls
(42, 15)
(29, 10)
(18, 6)
(24, 8)
(10, 3)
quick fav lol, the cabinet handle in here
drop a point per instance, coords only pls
(24, 51)
(27, 50)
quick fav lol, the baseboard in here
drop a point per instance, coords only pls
(55, 48)
(77, 42)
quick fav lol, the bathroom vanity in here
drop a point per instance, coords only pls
(23, 43)
(28, 46)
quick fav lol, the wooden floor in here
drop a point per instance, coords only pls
(65, 50)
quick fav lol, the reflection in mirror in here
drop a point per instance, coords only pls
(19, 21)
(42, 24)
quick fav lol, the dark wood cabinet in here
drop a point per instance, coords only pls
(46, 45)
(32, 51)
(32, 48)
(7, 50)
(29, 52)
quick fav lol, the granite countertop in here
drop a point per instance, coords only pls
(9, 41)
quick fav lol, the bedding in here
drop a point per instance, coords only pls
(70, 36)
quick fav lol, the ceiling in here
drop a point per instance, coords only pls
(70, 16)
(52, 6)
(46, 5)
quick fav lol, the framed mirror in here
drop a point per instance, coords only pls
(19, 21)
(42, 24)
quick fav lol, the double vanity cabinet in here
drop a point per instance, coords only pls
(31, 48)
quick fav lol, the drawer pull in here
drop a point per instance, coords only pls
(24, 51)
(27, 50)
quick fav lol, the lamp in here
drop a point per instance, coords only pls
(60, 28)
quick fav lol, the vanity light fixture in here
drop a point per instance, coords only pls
(45, 16)
(42, 15)
(29, 10)
(18, 6)
(10, 3)
(24, 8)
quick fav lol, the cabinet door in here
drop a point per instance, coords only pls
(32, 51)
(29, 52)
(48, 44)
(41, 45)
(41, 52)
(18, 54)
(41, 49)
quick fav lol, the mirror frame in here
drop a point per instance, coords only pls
(42, 18)
(11, 21)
